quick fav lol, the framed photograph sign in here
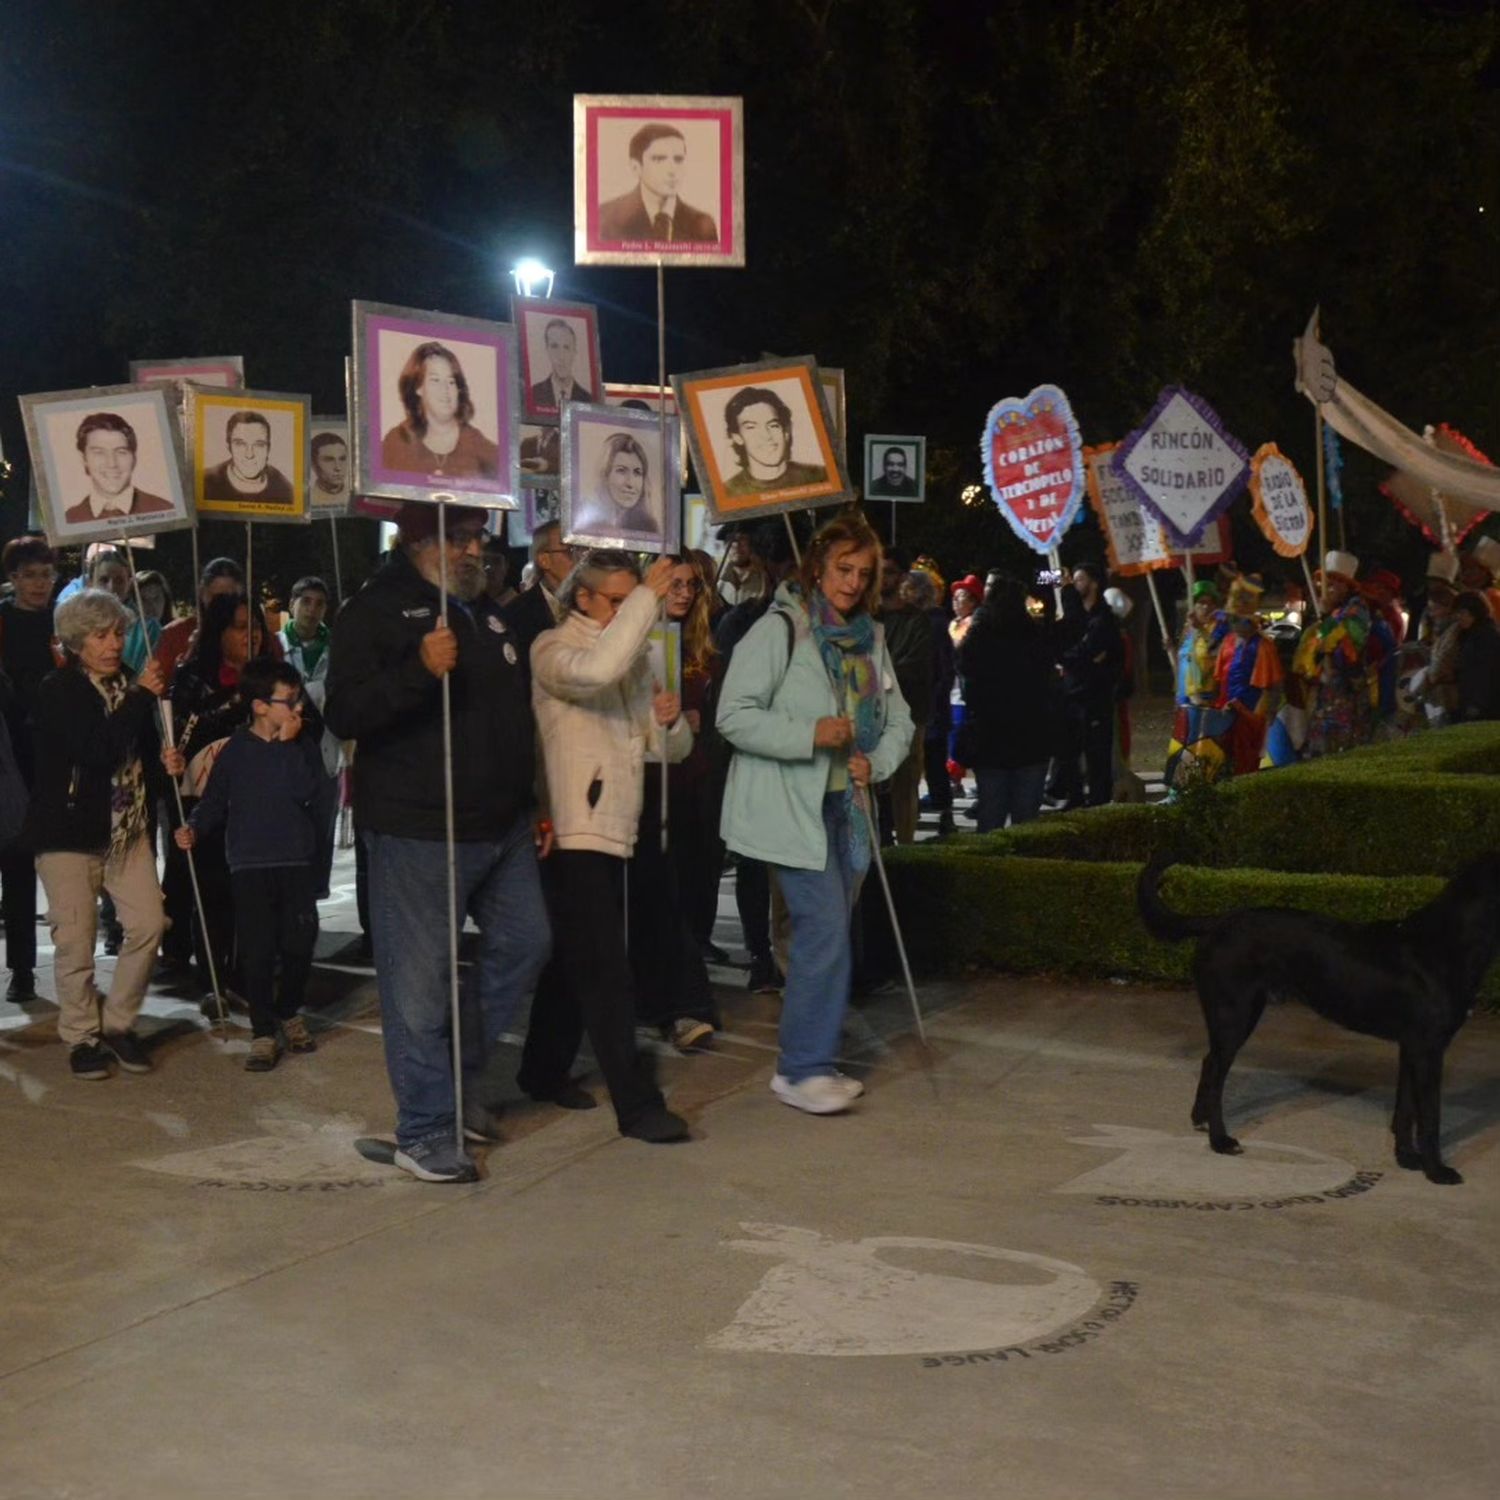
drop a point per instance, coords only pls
(435, 408)
(250, 454)
(761, 439)
(895, 468)
(224, 370)
(658, 180)
(616, 490)
(328, 469)
(559, 344)
(645, 398)
(107, 463)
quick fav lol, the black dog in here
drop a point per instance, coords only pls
(1412, 982)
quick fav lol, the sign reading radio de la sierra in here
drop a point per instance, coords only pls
(1182, 464)
(1033, 461)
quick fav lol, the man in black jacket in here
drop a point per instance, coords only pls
(1091, 673)
(388, 657)
(536, 609)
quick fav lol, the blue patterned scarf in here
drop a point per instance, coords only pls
(848, 651)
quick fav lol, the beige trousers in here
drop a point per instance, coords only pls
(72, 883)
(906, 791)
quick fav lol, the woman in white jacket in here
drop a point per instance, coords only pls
(597, 708)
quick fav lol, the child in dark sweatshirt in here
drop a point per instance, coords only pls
(263, 785)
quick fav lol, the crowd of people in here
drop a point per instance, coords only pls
(595, 805)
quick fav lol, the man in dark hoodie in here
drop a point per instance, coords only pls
(389, 654)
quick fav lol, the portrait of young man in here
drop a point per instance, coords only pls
(894, 479)
(652, 209)
(108, 447)
(330, 470)
(758, 425)
(248, 473)
(561, 382)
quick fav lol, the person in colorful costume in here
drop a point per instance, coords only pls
(1331, 659)
(1479, 569)
(1249, 676)
(1387, 630)
(1198, 722)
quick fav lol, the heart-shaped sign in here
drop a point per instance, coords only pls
(1033, 462)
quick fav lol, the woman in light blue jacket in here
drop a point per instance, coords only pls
(811, 707)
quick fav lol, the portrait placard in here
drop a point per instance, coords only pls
(760, 439)
(616, 490)
(226, 371)
(1183, 464)
(835, 404)
(664, 652)
(107, 463)
(540, 456)
(1134, 540)
(658, 180)
(1033, 463)
(542, 508)
(435, 407)
(250, 454)
(1279, 501)
(895, 468)
(328, 469)
(559, 346)
(646, 398)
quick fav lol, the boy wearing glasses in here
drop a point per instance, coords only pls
(264, 785)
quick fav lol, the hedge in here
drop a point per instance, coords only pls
(1062, 916)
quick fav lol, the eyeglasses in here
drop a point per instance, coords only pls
(684, 586)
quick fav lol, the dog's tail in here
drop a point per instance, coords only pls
(1159, 918)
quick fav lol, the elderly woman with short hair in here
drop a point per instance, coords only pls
(97, 746)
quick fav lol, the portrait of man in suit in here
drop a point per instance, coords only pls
(248, 473)
(895, 480)
(652, 210)
(560, 384)
(107, 444)
(759, 427)
(330, 469)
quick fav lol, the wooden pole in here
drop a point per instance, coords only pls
(666, 458)
(1318, 452)
(452, 852)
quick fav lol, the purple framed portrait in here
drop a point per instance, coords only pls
(617, 491)
(559, 348)
(435, 407)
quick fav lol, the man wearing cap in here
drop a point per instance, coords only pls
(1478, 570)
(1332, 661)
(1249, 674)
(389, 655)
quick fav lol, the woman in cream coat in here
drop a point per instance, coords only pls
(597, 709)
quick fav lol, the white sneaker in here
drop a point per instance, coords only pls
(822, 1094)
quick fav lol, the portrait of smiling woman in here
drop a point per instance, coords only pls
(613, 485)
(437, 436)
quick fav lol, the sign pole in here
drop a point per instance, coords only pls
(338, 577)
(666, 458)
(1318, 449)
(167, 740)
(448, 835)
(1312, 588)
(1161, 619)
(249, 588)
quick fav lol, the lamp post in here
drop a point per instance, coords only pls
(532, 278)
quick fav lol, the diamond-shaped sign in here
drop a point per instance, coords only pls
(1182, 464)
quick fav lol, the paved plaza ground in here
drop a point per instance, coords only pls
(1013, 1270)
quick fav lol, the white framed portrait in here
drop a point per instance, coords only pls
(761, 440)
(108, 463)
(895, 468)
(658, 179)
(559, 344)
(616, 490)
(542, 508)
(435, 407)
(328, 470)
(250, 454)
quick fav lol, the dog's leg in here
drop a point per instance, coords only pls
(1427, 1087)
(1230, 1012)
(1403, 1119)
(1205, 1088)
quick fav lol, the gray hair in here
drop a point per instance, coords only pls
(539, 538)
(591, 570)
(88, 610)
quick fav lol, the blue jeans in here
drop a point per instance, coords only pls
(816, 996)
(1014, 792)
(499, 885)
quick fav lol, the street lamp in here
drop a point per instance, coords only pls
(532, 278)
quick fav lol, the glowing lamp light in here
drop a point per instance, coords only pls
(532, 278)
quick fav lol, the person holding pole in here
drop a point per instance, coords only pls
(304, 639)
(811, 707)
(388, 657)
(598, 711)
(89, 825)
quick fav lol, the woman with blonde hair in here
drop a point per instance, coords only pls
(811, 708)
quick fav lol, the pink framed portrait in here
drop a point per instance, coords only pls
(658, 180)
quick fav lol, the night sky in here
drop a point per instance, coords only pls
(953, 202)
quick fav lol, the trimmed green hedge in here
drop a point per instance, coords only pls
(1420, 806)
(1062, 916)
